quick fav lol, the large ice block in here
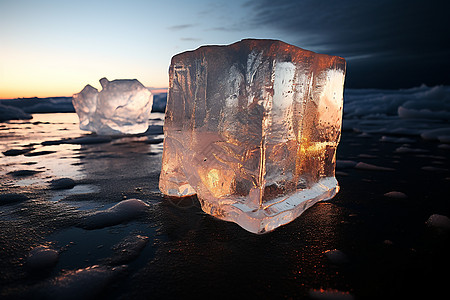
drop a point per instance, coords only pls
(122, 106)
(252, 129)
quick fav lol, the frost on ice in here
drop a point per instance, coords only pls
(252, 129)
(122, 106)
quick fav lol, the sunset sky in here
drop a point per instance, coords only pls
(54, 48)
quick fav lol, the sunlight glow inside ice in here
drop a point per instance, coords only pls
(252, 129)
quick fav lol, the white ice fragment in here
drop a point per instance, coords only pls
(395, 194)
(122, 106)
(85, 104)
(42, 257)
(440, 221)
(123, 211)
(370, 167)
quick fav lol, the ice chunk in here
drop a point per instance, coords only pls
(252, 129)
(85, 104)
(122, 106)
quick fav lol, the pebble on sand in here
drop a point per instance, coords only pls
(62, 184)
(439, 221)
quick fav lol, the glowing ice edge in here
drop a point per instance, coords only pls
(277, 212)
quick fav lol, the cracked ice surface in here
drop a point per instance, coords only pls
(252, 129)
(122, 106)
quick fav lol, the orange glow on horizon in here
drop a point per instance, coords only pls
(42, 92)
(46, 74)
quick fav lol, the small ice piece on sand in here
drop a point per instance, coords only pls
(62, 184)
(252, 129)
(395, 194)
(84, 283)
(329, 294)
(42, 257)
(128, 249)
(369, 167)
(122, 106)
(336, 256)
(122, 212)
(440, 221)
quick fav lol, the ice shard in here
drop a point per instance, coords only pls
(122, 106)
(252, 129)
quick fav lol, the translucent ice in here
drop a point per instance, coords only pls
(252, 129)
(122, 106)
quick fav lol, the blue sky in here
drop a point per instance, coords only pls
(51, 48)
(56, 47)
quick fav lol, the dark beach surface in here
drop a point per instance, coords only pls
(71, 227)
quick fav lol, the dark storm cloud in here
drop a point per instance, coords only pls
(386, 43)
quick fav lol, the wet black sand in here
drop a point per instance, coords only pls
(385, 248)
